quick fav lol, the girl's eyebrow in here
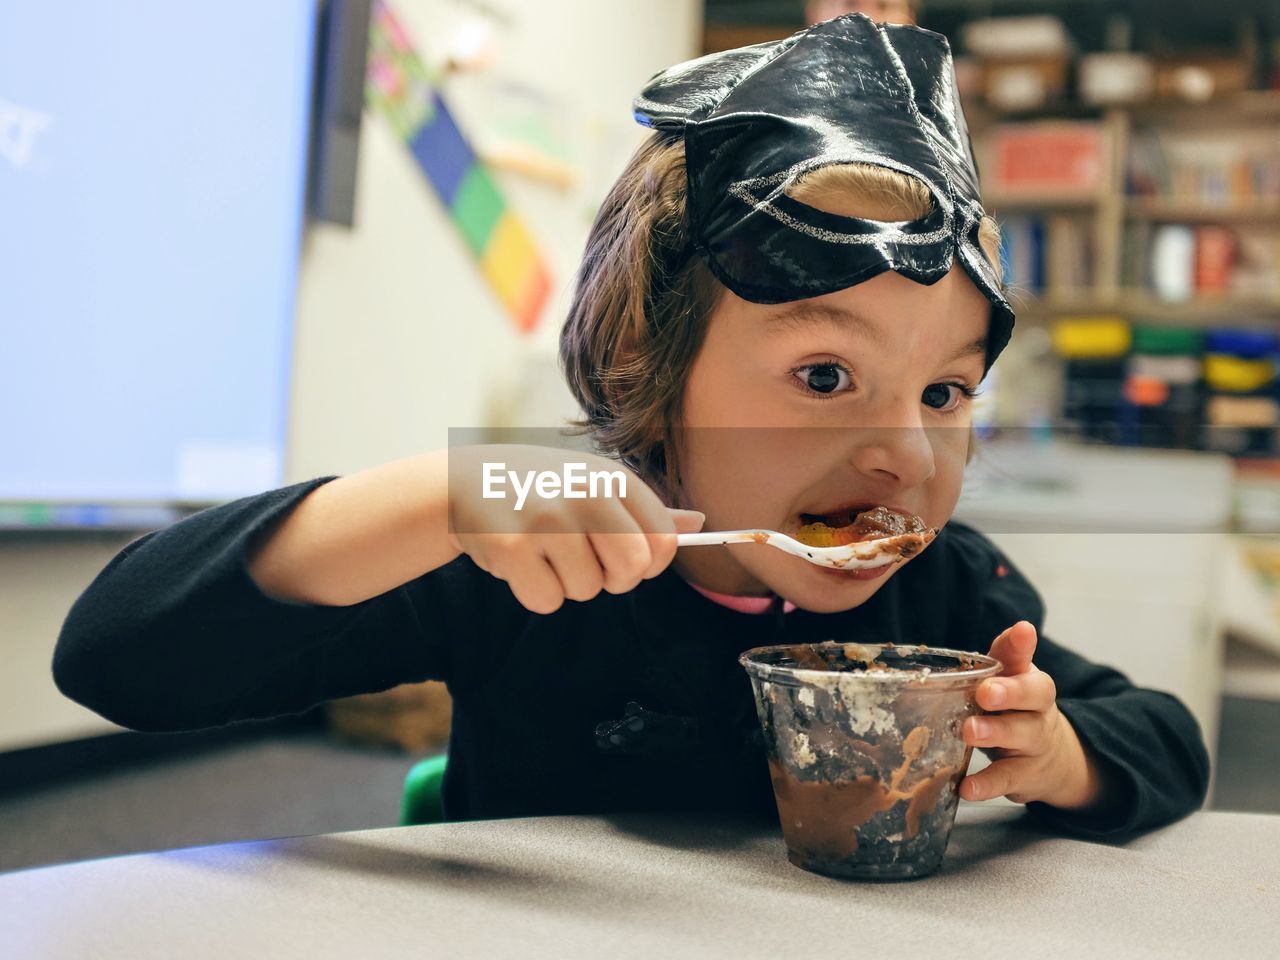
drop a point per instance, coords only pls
(969, 349)
(801, 314)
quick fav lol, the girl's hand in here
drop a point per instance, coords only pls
(555, 548)
(1037, 753)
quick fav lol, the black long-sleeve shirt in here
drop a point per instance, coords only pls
(174, 635)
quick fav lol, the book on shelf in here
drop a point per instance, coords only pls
(1179, 261)
(1135, 255)
(1022, 253)
(1199, 168)
(1049, 254)
(1215, 251)
(1068, 254)
(1256, 269)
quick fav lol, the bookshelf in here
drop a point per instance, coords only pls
(1209, 171)
(1170, 230)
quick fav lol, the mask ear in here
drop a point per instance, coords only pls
(691, 90)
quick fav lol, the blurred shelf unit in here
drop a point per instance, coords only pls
(1140, 225)
(1249, 312)
(1165, 212)
(1232, 210)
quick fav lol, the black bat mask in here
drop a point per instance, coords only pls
(845, 91)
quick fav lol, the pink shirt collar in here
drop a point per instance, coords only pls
(742, 604)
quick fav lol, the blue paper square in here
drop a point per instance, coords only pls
(442, 152)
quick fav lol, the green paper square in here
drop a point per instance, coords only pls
(477, 207)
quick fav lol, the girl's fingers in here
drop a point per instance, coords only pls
(1024, 732)
(574, 548)
(576, 565)
(624, 557)
(658, 523)
(620, 544)
(534, 582)
(1012, 777)
(1026, 691)
(628, 551)
(650, 513)
(688, 521)
(662, 546)
(1015, 647)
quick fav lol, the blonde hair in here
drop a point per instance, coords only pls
(644, 296)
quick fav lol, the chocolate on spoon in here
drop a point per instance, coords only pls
(875, 538)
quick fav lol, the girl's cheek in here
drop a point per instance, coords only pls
(951, 443)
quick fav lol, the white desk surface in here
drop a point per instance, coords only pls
(662, 888)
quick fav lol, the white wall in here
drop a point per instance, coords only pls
(397, 337)
(1146, 604)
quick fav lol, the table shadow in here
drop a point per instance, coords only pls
(349, 854)
(696, 832)
(605, 894)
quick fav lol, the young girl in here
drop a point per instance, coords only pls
(785, 307)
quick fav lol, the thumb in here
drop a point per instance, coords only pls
(688, 521)
(1015, 647)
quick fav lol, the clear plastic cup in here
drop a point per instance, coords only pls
(865, 751)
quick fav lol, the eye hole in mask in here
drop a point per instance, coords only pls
(864, 192)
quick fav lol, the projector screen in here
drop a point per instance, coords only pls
(153, 162)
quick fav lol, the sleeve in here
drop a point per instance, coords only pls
(174, 634)
(1147, 744)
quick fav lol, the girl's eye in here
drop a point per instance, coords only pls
(824, 377)
(944, 396)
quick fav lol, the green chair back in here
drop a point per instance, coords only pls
(422, 800)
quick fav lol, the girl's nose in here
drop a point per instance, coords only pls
(901, 455)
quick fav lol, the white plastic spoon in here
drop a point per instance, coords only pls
(862, 555)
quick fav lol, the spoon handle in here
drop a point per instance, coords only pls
(721, 536)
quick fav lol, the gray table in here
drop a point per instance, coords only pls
(1208, 887)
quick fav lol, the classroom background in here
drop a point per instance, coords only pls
(248, 244)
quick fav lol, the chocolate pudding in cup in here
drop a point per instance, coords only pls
(865, 751)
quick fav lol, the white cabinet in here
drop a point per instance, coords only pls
(1126, 547)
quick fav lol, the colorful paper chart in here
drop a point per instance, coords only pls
(401, 89)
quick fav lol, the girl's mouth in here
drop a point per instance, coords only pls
(859, 521)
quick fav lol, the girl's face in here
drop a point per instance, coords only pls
(822, 408)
